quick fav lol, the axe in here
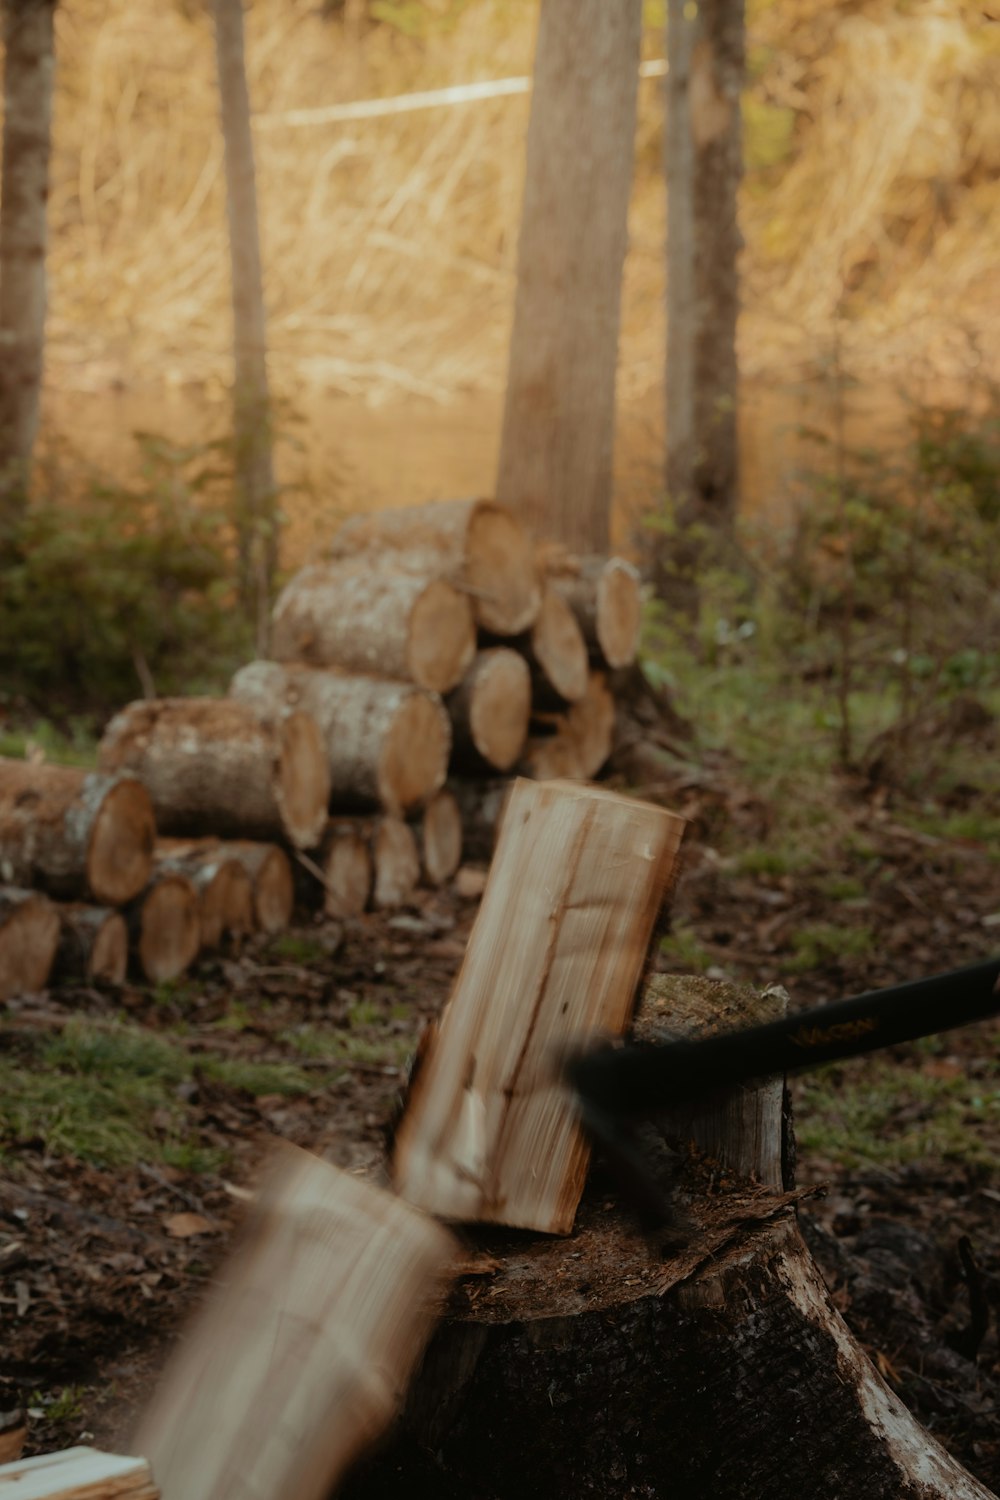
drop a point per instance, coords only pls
(617, 1085)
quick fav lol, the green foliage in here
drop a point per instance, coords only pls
(123, 588)
(768, 134)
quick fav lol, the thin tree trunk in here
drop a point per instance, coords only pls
(558, 430)
(28, 75)
(256, 513)
(703, 159)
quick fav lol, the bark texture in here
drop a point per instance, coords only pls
(213, 766)
(29, 936)
(73, 833)
(256, 515)
(704, 164)
(556, 449)
(29, 68)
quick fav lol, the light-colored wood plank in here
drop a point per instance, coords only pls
(558, 948)
(77, 1474)
(302, 1355)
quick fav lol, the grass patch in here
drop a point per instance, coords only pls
(385, 1049)
(257, 1078)
(819, 943)
(300, 950)
(685, 952)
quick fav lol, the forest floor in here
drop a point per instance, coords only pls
(132, 1124)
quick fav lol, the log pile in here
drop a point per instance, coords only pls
(437, 652)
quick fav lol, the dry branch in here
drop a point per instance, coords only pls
(302, 1356)
(558, 946)
(387, 743)
(213, 766)
(29, 937)
(376, 615)
(477, 545)
(74, 834)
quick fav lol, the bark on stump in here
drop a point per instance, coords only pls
(387, 743)
(271, 877)
(214, 766)
(477, 545)
(225, 889)
(74, 834)
(93, 944)
(439, 835)
(701, 1361)
(384, 616)
(490, 710)
(165, 927)
(29, 936)
(605, 596)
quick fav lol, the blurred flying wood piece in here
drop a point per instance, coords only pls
(376, 615)
(340, 871)
(477, 545)
(490, 709)
(225, 889)
(214, 766)
(557, 950)
(439, 836)
(387, 742)
(164, 926)
(302, 1355)
(93, 944)
(679, 1328)
(78, 1474)
(74, 834)
(605, 594)
(556, 651)
(271, 878)
(29, 937)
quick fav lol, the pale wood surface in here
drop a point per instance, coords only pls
(605, 595)
(559, 944)
(165, 926)
(302, 1355)
(29, 936)
(77, 1474)
(490, 709)
(440, 838)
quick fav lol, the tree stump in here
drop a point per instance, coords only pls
(387, 743)
(214, 766)
(383, 615)
(74, 834)
(705, 1360)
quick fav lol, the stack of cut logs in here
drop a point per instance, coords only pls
(435, 642)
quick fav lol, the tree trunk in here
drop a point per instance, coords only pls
(387, 742)
(556, 449)
(704, 164)
(376, 616)
(93, 945)
(73, 833)
(28, 75)
(256, 508)
(29, 936)
(213, 766)
(490, 709)
(705, 1359)
(476, 545)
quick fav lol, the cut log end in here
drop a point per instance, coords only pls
(559, 647)
(302, 786)
(397, 863)
(500, 571)
(29, 937)
(347, 872)
(441, 838)
(619, 612)
(442, 637)
(93, 945)
(273, 885)
(168, 936)
(413, 760)
(120, 854)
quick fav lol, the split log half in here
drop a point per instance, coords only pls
(214, 766)
(225, 889)
(478, 545)
(72, 833)
(605, 594)
(78, 1474)
(340, 871)
(556, 651)
(376, 616)
(273, 885)
(596, 1364)
(439, 834)
(302, 1356)
(93, 944)
(490, 709)
(165, 927)
(557, 949)
(29, 937)
(387, 743)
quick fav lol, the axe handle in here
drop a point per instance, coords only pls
(648, 1078)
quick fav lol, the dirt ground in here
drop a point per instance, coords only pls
(99, 1267)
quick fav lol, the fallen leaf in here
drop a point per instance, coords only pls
(183, 1226)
